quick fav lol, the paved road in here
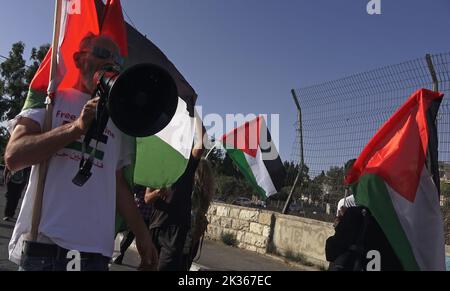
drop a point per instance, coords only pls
(214, 256)
(6, 229)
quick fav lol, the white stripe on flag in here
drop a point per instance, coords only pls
(179, 133)
(422, 223)
(260, 172)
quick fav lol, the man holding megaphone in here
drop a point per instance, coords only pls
(74, 219)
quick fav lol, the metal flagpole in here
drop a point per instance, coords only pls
(42, 167)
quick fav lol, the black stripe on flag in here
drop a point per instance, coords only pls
(432, 151)
(274, 167)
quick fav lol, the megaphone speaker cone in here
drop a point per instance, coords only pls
(143, 100)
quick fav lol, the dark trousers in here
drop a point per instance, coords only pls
(169, 242)
(128, 239)
(13, 194)
(190, 250)
(44, 257)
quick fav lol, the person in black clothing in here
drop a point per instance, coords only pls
(171, 218)
(202, 194)
(15, 183)
(357, 233)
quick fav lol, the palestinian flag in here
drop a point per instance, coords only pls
(251, 148)
(396, 177)
(161, 159)
(169, 149)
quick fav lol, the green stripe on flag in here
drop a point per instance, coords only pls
(35, 100)
(371, 191)
(238, 157)
(157, 163)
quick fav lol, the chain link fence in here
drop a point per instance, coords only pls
(339, 117)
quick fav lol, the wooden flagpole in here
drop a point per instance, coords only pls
(42, 167)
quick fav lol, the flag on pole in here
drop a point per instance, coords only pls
(396, 177)
(78, 18)
(169, 149)
(251, 148)
(160, 159)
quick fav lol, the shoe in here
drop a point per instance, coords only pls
(118, 260)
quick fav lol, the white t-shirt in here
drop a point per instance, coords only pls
(73, 217)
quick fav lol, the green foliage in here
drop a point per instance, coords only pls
(446, 215)
(228, 238)
(271, 249)
(445, 189)
(15, 78)
(229, 188)
(297, 257)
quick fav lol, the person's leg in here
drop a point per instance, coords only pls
(16, 197)
(124, 244)
(172, 239)
(193, 254)
(12, 199)
(187, 251)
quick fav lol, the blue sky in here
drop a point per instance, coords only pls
(244, 56)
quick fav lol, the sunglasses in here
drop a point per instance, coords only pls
(104, 54)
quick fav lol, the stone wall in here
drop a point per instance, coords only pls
(268, 232)
(250, 227)
(302, 236)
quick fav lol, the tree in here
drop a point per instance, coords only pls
(216, 155)
(445, 190)
(228, 168)
(291, 173)
(335, 184)
(15, 78)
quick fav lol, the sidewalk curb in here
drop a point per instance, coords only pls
(291, 263)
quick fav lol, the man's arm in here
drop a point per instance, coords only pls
(29, 146)
(128, 210)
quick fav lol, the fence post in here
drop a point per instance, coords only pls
(300, 170)
(432, 72)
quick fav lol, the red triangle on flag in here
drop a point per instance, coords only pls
(397, 152)
(245, 137)
(114, 25)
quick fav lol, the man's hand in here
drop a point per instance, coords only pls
(127, 208)
(87, 115)
(148, 253)
(152, 194)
